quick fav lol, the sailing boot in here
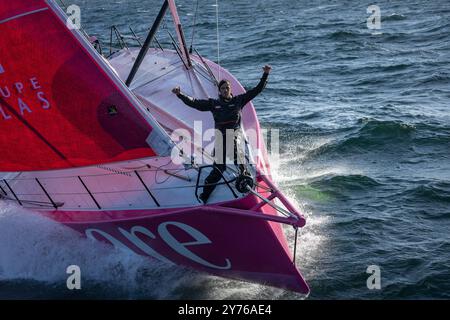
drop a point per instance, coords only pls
(204, 197)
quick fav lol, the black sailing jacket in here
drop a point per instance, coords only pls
(226, 112)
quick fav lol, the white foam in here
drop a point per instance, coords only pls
(312, 241)
(37, 248)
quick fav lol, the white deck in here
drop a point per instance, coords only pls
(117, 186)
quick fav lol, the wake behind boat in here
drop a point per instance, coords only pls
(103, 147)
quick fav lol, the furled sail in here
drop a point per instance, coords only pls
(61, 105)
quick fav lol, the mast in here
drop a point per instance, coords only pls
(147, 42)
(151, 35)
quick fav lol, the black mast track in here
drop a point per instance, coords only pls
(47, 194)
(147, 43)
(12, 191)
(146, 188)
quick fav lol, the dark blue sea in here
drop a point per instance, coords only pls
(364, 120)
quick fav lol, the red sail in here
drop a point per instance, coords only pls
(61, 105)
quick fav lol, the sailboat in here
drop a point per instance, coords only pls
(90, 143)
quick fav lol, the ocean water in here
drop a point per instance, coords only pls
(364, 126)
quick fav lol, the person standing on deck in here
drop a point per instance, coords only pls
(226, 112)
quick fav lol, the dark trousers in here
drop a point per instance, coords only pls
(220, 166)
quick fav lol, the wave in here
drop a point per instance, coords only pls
(438, 28)
(435, 78)
(431, 192)
(343, 35)
(392, 137)
(396, 67)
(355, 222)
(393, 17)
(384, 129)
(396, 37)
(279, 54)
(343, 184)
(373, 133)
(283, 92)
(427, 281)
(372, 74)
(372, 80)
(306, 191)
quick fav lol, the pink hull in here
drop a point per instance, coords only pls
(225, 241)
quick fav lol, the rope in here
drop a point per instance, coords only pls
(158, 169)
(33, 202)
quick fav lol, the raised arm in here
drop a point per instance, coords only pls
(249, 95)
(201, 105)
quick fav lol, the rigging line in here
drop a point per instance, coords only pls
(12, 191)
(110, 42)
(218, 39)
(66, 13)
(63, 4)
(204, 76)
(193, 27)
(232, 179)
(158, 169)
(207, 67)
(3, 191)
(158, 77)
(200, 69)
(95, 175)
(31, 202)
(147, 189)
(158, 43)
(179, 54)
(177, 49)
(275, 206)
(135, 37)
(47, 194)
